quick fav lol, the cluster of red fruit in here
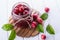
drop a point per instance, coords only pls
(21, 9)
(36, 20)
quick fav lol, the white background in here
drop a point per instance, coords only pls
(54, 16)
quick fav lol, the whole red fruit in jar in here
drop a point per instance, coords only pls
(16, 10)
(21, 9)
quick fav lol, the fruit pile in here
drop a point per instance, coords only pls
(24, 18)
(21, 10)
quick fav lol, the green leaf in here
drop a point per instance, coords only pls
(49, 29)
(44, 16)
(7, 27)
(12, 35)
(40, 28)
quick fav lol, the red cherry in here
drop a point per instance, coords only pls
(47, 9)
(21, 9)
(43, 36)
(34, 24)
(35, 16)
(39, 20)
(25, 12)
(16, 10)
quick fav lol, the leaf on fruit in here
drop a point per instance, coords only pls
(49, 29)
(12, 35)
(7, 27)
(40, 28)
(44, 16)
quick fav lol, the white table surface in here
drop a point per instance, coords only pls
(54, 16)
